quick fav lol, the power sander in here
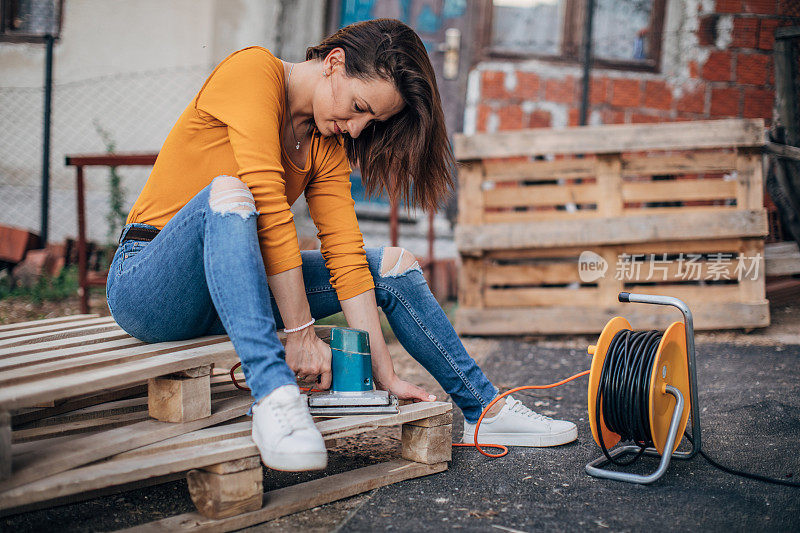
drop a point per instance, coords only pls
(352, 389)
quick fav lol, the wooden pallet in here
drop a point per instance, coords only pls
(620, 191)
(94, 411)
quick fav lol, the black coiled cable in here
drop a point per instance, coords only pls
(624, 389)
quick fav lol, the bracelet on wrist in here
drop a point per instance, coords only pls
(304, 326)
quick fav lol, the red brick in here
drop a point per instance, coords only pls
(527, 86)
(560, 90)
(745, 33)
(540, 118)
(762, 7)
(724, 102)
(694, 70)
(766, 35)
(718, 67)
(758, 103)
(626, 93)
(598, 90)
(492, 85)
(613, 117)
(483, 117)
(693, 101)
(641, 118)
(574, 117)
(752, 69)
(510, 117)
(729, 6)
(657, 95)
(707, 31)
(789, 8)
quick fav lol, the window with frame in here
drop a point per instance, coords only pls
(625, 33)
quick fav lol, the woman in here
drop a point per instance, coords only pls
(210, 246)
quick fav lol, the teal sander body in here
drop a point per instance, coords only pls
(352, 388)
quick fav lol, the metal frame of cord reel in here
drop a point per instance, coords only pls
(670, 444)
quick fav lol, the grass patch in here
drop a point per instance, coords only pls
(46, 289)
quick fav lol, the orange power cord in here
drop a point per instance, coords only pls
(479, 447)
(504, 450)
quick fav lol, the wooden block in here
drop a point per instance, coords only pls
(229, 467)
(433, 421)
(5, 445)
(427, 445)
(224, 495)
(179, 399)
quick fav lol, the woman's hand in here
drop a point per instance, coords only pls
(405, 390)
(309, 357)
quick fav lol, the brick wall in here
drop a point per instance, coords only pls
(716, 63)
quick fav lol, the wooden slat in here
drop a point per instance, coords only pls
(471, 282)
(750, 193)
(609, 185)
(348, 426)
(678, 190)
(751, 282)
(13, 361)
(534, 274)
(612, 138)
(59, 458)
(58, 387)
(540, 195)
(47, 346)
(470, 199)
(538, 170)
(304, 496)
(84, 363)
(541, 297)
(689, 163)
(538, 215)
(613, 230)
(58, 327)
(43, 322)
(59, 335)
(592, 319)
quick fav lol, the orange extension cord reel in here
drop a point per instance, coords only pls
(672, 386)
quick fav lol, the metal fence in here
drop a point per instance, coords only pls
(133, 111)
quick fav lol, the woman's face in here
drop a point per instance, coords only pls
(342, 104)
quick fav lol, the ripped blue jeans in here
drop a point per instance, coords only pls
(203, 275)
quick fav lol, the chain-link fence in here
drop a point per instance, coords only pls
(129, 113)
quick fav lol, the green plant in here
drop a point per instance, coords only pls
(116, 193)
(46, 288)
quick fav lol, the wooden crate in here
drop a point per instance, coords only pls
(648, 191)
(87, 410)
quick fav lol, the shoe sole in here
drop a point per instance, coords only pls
(295, 462)
(533, 441)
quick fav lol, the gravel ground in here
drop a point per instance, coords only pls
(749, 402)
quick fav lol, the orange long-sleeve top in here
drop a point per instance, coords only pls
(233, 127)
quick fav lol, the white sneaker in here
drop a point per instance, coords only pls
(285, 434)
(516, 425)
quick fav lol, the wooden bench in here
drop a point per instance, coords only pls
(531, 202)
(85, 409)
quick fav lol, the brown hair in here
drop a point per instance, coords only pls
(409, 154)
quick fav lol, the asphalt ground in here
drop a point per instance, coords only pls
(749, 412)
